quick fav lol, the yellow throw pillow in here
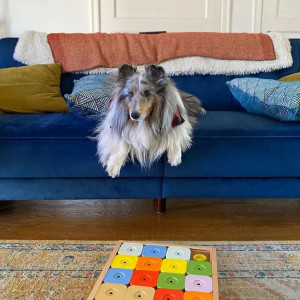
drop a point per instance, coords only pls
(292, 77)
(31, 89)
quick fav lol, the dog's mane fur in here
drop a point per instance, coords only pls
(147, 139)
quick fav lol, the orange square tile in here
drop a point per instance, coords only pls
(149, 263)
(197, 296)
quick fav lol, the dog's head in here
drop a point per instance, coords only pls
(141, 91)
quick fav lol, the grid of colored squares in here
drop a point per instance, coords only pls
(157, 272)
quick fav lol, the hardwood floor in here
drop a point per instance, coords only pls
(186, 219)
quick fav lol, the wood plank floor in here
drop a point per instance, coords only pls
(186, 219)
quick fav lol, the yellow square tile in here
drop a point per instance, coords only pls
(124, 261)
(170, 265)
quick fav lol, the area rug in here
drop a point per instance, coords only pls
(67, 270)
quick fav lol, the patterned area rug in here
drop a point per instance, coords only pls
(67, 270)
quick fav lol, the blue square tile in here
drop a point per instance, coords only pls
(119, 276)
(154, 251)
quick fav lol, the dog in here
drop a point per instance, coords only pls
(147, 116)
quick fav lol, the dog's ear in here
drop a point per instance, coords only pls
(126, 71)
(156, 72)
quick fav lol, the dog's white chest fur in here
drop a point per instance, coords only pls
(139, 136)
(146, 147)
(144, 144)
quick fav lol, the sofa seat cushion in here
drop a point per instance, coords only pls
(54, 146)
(239, 144)
(45, 126)
(243, 124)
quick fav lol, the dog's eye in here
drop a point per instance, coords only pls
(147, 93)
(130, 94)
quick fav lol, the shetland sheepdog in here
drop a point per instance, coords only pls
(147, 116)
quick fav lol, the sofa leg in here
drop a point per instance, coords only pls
(160, 205)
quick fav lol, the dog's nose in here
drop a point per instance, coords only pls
(135, 115)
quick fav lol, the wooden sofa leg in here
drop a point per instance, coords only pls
(160, 205)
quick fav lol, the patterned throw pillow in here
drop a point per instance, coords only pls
(280, 100)
(90, 96)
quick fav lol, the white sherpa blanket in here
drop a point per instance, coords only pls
(33, 48)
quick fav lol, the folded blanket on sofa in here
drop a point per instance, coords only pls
(178, 53)
(113, 50)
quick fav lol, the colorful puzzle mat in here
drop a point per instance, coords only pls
(158, 272)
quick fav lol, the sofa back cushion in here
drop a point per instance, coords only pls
(211, 89)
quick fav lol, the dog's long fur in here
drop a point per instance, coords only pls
(138, 124)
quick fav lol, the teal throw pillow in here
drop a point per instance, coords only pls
(276, 99)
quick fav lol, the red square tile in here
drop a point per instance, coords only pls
(166, 294)
(144, 278)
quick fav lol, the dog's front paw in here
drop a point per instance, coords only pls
(113, 170)
(174, 159)
(202, 112)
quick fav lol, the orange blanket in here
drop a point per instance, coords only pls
(79, 51)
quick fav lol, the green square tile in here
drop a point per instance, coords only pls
(171, 281)
(199, 268)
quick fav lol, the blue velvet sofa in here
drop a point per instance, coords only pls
(234, 154)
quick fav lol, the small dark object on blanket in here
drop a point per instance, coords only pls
(152, 32)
